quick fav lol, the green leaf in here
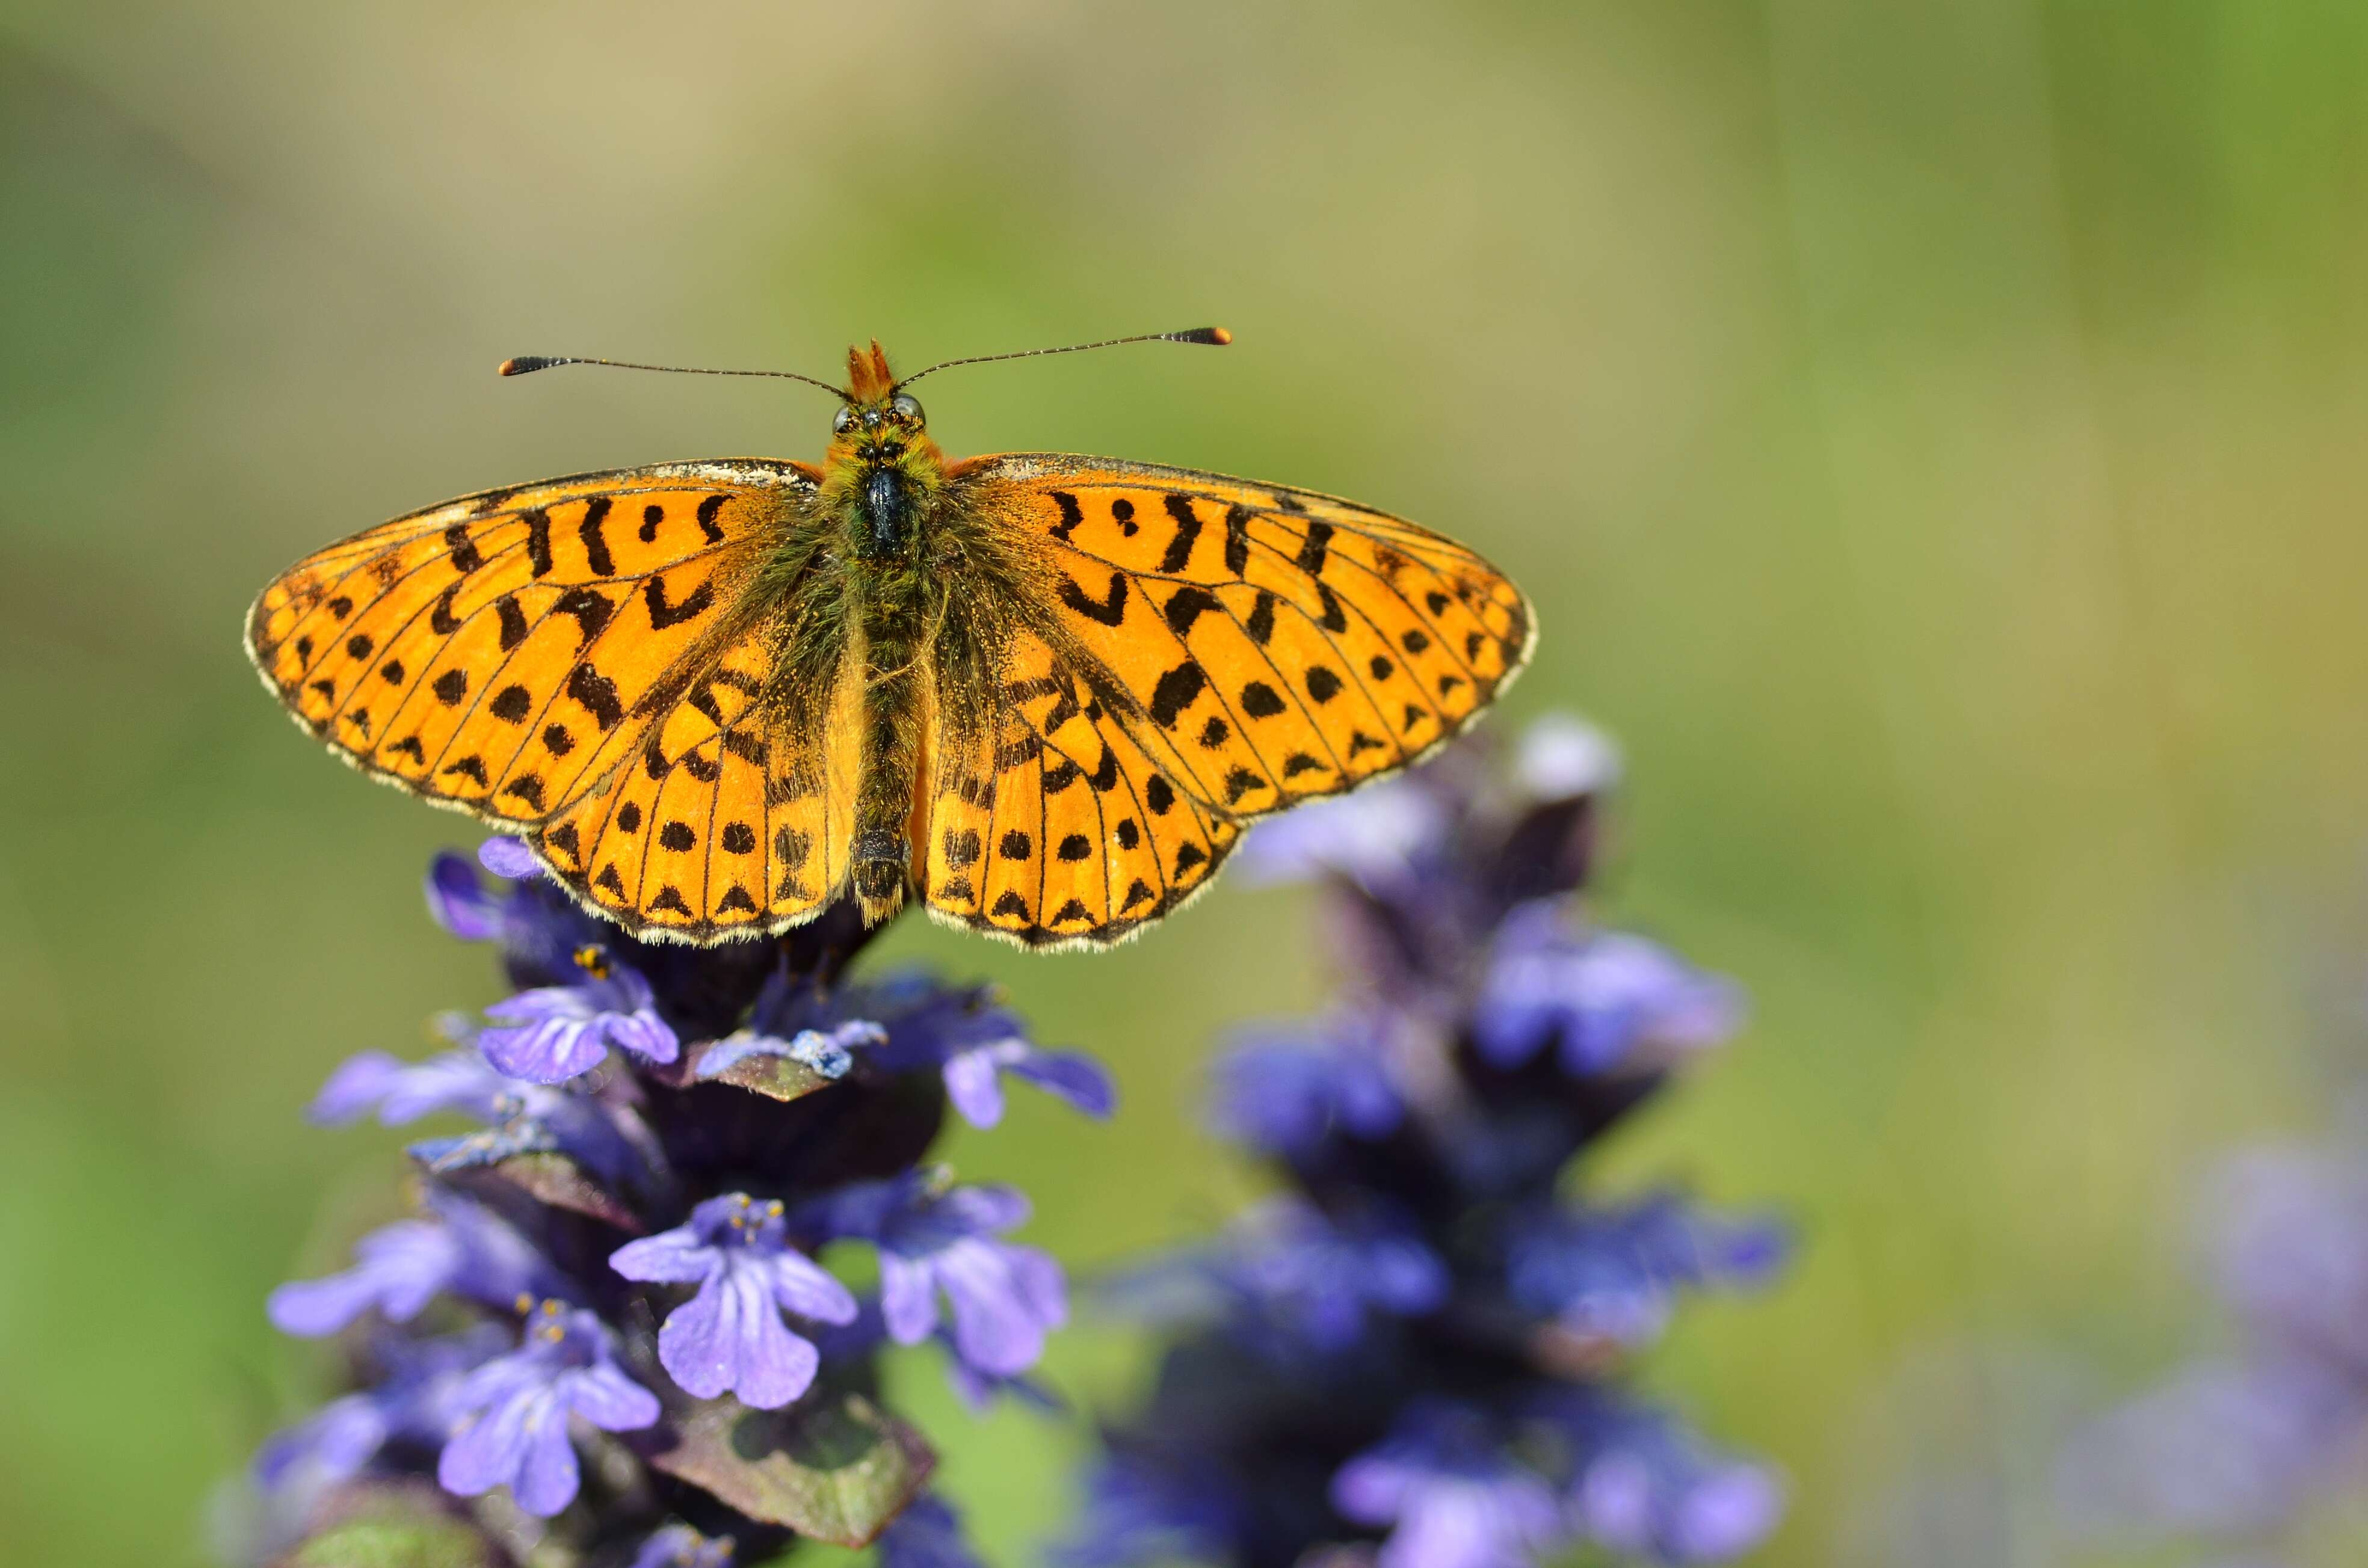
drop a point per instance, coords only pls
(833, 1466)
(780, 1077)
(393, 1530)
(559, 1181)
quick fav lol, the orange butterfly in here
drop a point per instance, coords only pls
(1044, 692)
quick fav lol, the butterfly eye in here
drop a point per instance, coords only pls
(907, 410)
(844, 420)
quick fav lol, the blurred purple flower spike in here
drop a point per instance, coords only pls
(1384, 1366)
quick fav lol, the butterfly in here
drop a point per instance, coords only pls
(1044, 694)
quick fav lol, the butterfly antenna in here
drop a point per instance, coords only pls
(526, 364)
(1216, 336)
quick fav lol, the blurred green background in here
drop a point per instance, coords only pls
(1931, 434)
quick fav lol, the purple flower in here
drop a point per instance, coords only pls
(521, 1404)
(680, 1546)
(928, 1534)
(1453, 1497)
(1644, 1486)
(1284, 1095)
(557, 1032)
(1562, 758)
(1614, 1000)
(1615, 1273)
(405, 1091)
(463, 1248)
(414, 1401)
(730, 1337)
(1287, 1266)
(973, 1043)
(509, 858)
(1004, 1298)
(531, 1116)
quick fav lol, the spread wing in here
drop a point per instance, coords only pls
(1238, 645)
(1054, 823)
(507, 653)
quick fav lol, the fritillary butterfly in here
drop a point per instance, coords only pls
(1044, 694)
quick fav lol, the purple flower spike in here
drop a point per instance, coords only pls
(458, 901)
(558, 1032)
(928, 1534)
(464, 1249)
(1004, 1298)
(1453, 1497)
(680, 1546)
(1608, 995)
(730, 1337)
(520, 1404)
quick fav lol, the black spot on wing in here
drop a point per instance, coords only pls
(1188, 604)
(1109, 611)
(1188, 529)
(662, 615)
(460, 550)
(1175, 692)
(597, 694)
(595, 543)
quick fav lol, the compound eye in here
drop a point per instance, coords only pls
(905, 409)
(844, 420)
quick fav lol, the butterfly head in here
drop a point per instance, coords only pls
(877, 423)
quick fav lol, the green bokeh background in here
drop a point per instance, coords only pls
(1931, 434)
